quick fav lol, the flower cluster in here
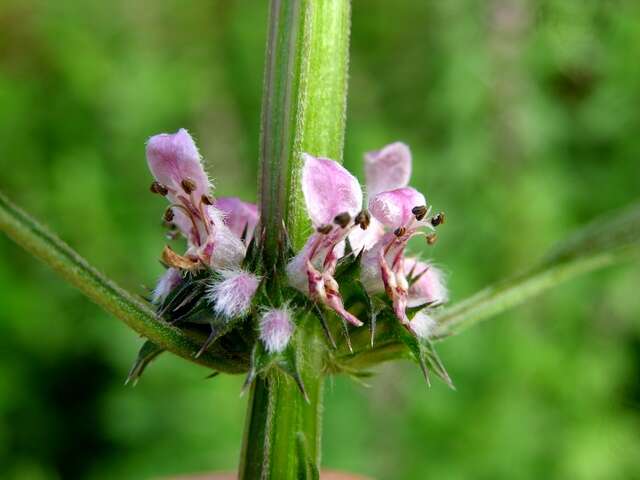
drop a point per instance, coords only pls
(217, 280)
(217, 230)
(379, 234)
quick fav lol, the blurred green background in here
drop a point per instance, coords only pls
(524, 121)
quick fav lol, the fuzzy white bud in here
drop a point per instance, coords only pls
(276, 329)
(423, 325)
(232, 296)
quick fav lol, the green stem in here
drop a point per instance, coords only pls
(283, 430)
(303, 110)
(136, 313)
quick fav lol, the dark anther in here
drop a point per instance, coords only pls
(188, 185)
(168, 215)
(431, 238)
(363, 218)
(438, 219)
(400, 231)
(342, 219)
(419, 212)
(157, 187)
(325, 229)
(207, 200)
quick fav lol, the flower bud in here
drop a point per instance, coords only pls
(276, 329)
(167, 282)
(428, 285)
(232, 296)
(423, 325)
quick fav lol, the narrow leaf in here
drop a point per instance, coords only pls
(606, 241)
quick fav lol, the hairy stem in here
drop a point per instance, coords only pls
(303, 107)
(303, 110)
(605, 241)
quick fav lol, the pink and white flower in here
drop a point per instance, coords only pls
(402, 213)
(176, 164)
(276, 329)
(333, 198)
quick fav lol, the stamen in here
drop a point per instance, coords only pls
(325, 229)
(400, 231)
(191, 216)
(419, 212)
(188, 185)
(431, 238)
(438, 219)
(157, 187)
(205, 217)
(363, 218)
(207, 200)
(343, 219)
(168, 215)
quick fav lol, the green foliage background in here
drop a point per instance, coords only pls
(524, 123)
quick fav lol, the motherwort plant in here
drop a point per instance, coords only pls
(316, 280)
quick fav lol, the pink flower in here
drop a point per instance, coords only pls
(403, 213)
(238, 216)
(333, 199)
(276, 329)
(176, 164)
(169, 280)
(232, 296)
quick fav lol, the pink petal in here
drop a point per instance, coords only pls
(366, 239)
(297, 266)
(238, 215)
(429, 288)
(329, 189)
(276, 329)
(393, 208)
(388, 168)
(174, 157)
